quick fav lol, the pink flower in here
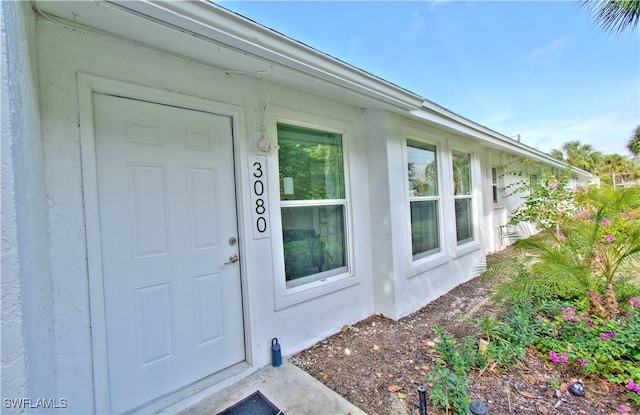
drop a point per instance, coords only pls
(609, 238)
(563, 358)
(607, 335)
(592, 295)
(586, 320)
(632, 386)
(623, 408)
(605, 222)
(582, 361)
(553, 356)
(553, 184)
(634, 301)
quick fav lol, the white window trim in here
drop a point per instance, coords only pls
(286, 297)
(417, 266)
(476, 188)
(498, 185)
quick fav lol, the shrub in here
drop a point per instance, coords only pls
(448, 380)
(597, 347)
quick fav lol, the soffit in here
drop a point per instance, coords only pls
(214, 36)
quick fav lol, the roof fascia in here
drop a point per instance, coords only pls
(210, 21)
(437, 114)
(216, 23)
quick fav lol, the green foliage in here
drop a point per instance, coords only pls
(518, 329)
(448, 390)
(588, 249)
(582, 156)
(597, 347)
(608, 167)
(448, 380)
(614, 15)
(549, 205)
(562, 271)
(609, 222)
(634, 142)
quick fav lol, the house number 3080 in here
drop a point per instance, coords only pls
(259, 197)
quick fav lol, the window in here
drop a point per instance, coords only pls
(463, 197)
(313, 204)
(533, 180)
(423, 198)
(494, 185)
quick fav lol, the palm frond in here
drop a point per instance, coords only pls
(614, 15)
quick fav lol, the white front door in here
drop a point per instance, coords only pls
(168, 227)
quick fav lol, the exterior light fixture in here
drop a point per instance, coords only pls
(478, 408)
(506, 387)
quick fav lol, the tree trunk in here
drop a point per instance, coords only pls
(595, 308)
(610, 304)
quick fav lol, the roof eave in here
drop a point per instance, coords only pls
(219, 24)
(435, 113)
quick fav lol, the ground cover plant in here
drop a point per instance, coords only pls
(548, 325)
(577, 272)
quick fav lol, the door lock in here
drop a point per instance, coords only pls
(232, 258)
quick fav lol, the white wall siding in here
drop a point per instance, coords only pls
(48, 349)
(62, 54)
(27, 304)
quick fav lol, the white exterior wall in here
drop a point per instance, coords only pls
(27, 305)
(402, 285)
(46, 307)
(62, 54)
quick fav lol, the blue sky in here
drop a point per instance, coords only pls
(539, 69)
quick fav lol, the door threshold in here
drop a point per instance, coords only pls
(189, 395)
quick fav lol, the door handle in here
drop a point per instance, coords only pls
(232, 258)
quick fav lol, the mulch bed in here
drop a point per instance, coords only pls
(378, 363)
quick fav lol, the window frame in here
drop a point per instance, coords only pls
(287, 296)
(410, 142)
(533, 178)
(473, 242)
(418, 265)
(497, 185)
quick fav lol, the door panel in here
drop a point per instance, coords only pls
(173, 304)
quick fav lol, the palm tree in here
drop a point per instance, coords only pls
(557, 154)
(616, 166)
(582, 156)
(614, 15)
(634, 142)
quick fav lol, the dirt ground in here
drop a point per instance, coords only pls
(377, 364)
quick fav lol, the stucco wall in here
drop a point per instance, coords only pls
(27, 304)
(63, 52)
(403, 285)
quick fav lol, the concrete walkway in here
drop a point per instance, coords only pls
(288, 387)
